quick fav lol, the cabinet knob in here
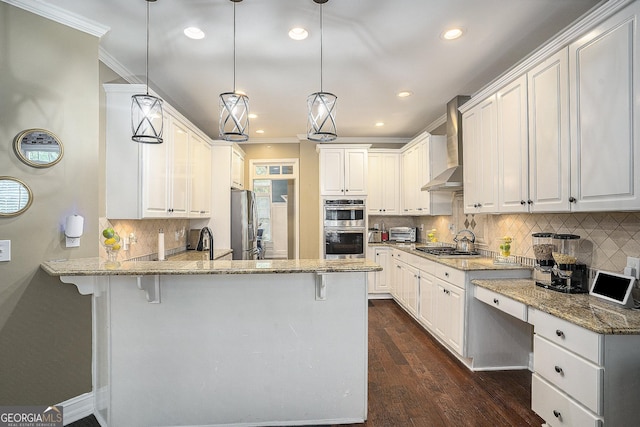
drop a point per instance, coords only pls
(446, 274)
(346, 191)
(475, 205)
(419, 209)
(558, 369)
(479, 205)
(557, 414)
(495, 301)
(522, 202)
(530, 201)
(559, 333)
(572, 199)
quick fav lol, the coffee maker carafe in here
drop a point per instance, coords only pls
(567, 274)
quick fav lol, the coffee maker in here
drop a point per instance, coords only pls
(542, 250)
(567, 274)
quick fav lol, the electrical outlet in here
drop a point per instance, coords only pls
(452, 228)
(5, 250)
(634, 263)
(421, 227)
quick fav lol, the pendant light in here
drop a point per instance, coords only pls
(234, 106)
(146, 110)
(321, 105)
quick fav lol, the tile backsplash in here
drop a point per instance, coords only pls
(143, 235)
(607, 237)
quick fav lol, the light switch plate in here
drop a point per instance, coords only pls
(5, 250)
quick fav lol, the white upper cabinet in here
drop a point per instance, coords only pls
(384, 182)
(343, 170)
(480, 157)
(151, 180)
(237, 168)
(513, 170)
(549, 145)
(200, 196)
(422, 160)
(605, 115)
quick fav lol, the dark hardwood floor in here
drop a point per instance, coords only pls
(414, 381)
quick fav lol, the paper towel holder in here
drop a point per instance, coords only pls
(74, 227)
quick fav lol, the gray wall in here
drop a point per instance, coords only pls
(48, 79)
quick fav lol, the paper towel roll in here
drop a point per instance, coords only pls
(160, 245)
(74, 226)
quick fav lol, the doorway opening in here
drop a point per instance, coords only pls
(275, 184)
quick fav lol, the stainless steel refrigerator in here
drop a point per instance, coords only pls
(244, 225)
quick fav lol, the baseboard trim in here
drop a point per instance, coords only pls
(77, 408)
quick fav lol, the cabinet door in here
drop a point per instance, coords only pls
(427, 292)
(375, 198)
(604, 106)
(396, 277)
(383, 258)
(409, 171)
(481, 157)
(549, 145)
(410, 289)
(355, 172)
(390, 184)
(441, 320)
(487, 175)
(422, 176)
(456, 331)
(179, 185)
(372, 276)
(513, 171)
(332, 172)
(237, 169)
(155, 179)
(200, 177)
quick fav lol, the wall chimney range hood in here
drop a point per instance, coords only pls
(451, 179)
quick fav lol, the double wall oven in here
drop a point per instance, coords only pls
(344, 228)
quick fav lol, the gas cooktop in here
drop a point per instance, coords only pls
(447, 252)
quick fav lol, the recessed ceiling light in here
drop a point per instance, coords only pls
(194, 33)
(452, 34)
(379, 124)
(298, 33)
(253, 116)
(404, 94)
(260, 131)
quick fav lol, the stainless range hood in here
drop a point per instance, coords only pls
(451, 179)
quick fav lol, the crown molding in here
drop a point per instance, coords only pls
(110, 61)
(435, 124)
(558, 42)
(360, 140)
(62, 16)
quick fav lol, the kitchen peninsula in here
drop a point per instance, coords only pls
(226, 342)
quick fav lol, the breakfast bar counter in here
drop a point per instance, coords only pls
(193, 343)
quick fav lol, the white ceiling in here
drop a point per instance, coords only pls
(372, 50)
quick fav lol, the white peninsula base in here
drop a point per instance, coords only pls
(236, 349)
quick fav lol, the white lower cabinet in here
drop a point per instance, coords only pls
(427, 298)
(379, 281)
(449, 315)
(582, 378)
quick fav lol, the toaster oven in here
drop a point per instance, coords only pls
(402, 234)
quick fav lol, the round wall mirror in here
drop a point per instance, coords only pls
(15, 196)
(38, 148)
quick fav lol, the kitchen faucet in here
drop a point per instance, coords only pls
(206, 230)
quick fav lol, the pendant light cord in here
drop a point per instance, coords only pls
(234, 47)
(146, 69)
(321, 37)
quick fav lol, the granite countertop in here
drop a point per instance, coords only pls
(580, 309)
(100, 267)
(199, 255)
(460, 263)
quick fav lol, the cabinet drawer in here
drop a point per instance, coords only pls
(557, 408)
(451, 275)
(574, 375)
(509, 306)
(586, 343)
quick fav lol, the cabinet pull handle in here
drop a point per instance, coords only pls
(559, 333)
(557, 414)
(558, 370)
(495, 301)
